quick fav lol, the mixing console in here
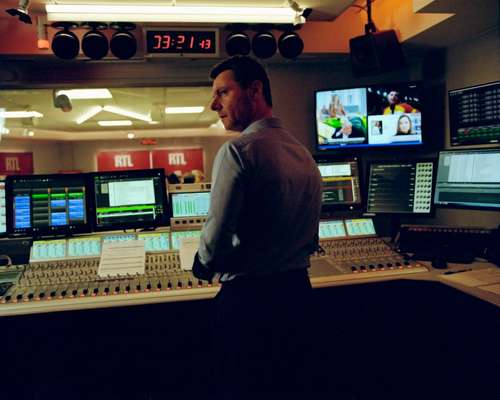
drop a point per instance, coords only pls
(63, 274)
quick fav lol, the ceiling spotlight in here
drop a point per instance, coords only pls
(264, 45)
(21, 11)
(290, 45)
(123, 44)
(65, 44)
(62, 101)
(95, 43)
(237, 43)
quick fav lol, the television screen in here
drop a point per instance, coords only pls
(341, 187)
(373, 116)
(469, 178)
(129, 199)
(45, 205)
(475, 115)
(402, 187)
(190, 204)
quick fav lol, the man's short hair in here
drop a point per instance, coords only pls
(246, 70)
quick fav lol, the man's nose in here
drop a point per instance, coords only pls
(215, 105)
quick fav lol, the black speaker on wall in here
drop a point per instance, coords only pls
(376, 52)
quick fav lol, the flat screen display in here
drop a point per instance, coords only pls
(475, 115)
(190, 204)
(129, 199)
(47, 204)
(468, 179)
(332, 229)
(372, 116)
(341, 187)
(400, 187)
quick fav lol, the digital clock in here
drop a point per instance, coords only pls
(192, 42)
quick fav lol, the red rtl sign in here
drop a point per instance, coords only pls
(16, 163)
(178, 161)
(122, 160)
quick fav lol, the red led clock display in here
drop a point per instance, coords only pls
(177, 42)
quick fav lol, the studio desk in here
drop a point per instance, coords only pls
(72, 283)
(382, 327)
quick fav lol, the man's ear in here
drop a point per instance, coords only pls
(256, 89)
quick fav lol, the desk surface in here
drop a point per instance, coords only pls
(195, 293)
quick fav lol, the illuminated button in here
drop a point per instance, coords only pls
(148, 286)
(179, 284)
(106, 290)
(117, 290)
(158, 286)
(85, 291)
(95, 291)
(169, 285)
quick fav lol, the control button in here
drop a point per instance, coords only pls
(362, 268)
(389, 265)
(95, 291)
(106, 290)
(179, 284)
(406, 263)
(371, 266)
(63, 293)
(209, 283)
(7, 298)
(158, 286)
(85, 292)
(354, 269)
(117, 290)
(148, 286)
(169, 285)
(190, 284)
(30, 296)
(138, 287)
(74, 292)
(200, 283)
(127, 289)
(381, 266)
(398, 264)
(41, 295)
(19, 297)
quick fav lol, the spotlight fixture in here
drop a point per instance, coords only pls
(264, 44)
(21, 11)
(237, 43)
(123, 44)
(290, 45)
(95, 43)
(62, 101)
(65, 44)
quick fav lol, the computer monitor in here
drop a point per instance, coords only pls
(341, 184)
(469, 179)
(190, 204)
(400, 187)
(3, 211)
(46, 205)
(369, 116)
(128, 199)
(475, 115)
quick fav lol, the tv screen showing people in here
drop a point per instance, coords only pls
(378, 115)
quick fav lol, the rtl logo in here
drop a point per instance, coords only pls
(12, 164)
(123, 161)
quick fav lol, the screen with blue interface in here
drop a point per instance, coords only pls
(190, 204)
(176, 237)
(468, 178)
(155, 241)
(332, 229)
(360, 227)
(129, 199)
(46, 204)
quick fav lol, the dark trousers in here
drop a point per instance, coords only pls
(262, 329)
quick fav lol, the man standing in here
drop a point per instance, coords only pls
(261, 228)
